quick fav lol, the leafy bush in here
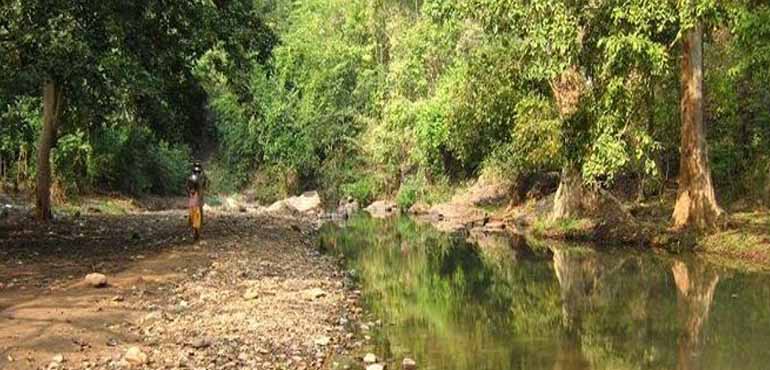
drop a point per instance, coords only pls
(131, 159)
(20, 122)
(70, 162)
(362, 190)
(407, 194)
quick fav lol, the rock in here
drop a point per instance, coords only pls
(151, 317)
(370, 358)
(201, 343)
(456, 216)
(419, 209)
(322, 340)
(408, 364)
(315, 293)
(307, 202)
(57, 358)
(250, 294)
(278, 206)
(381, 209)
(135, 357)
(375, 367)
(347, 208)
(96, 280)
(487, 190)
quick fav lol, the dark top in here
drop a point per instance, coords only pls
(196, 183)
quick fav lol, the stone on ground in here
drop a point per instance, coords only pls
(96, 280)
(370, 358)
(201, 343)
(307, 202)
(375, 367)
(315, 293)
(408, 364)
(134, 356)
(250, 294)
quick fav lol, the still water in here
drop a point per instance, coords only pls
(489, 302)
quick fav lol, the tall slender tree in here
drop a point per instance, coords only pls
(696, 203)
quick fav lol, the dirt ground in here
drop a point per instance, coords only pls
(253, 294)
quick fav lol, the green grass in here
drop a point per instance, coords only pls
(562, 228)
(747, 238)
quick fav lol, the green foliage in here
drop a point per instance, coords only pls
(133, 160)
(20, 123)
(70, 161)
(407, 194)
(353, 97)
(363, 190)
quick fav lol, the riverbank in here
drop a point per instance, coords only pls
(254, 293)
(743, 240)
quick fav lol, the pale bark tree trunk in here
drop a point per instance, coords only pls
(53, 101)
(696, 205)
(569, 199)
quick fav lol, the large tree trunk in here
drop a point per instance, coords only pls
(696, 204)
(569, 199)
(53, 101)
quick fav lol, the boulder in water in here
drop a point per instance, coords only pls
(381, 209)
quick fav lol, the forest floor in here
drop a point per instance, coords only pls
(254, 293)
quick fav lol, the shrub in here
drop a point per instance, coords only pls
(407, 194)
(131, 159)
(362, 190)
(20, 123)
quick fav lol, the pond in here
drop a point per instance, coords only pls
(484, 301)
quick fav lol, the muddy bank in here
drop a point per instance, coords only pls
(255, 293)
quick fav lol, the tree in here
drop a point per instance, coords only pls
(109, 59)
(696, 204)
(53, 102)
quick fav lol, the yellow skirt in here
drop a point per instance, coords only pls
(196, 218)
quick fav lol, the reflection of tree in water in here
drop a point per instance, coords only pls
(500, 305)
(615, 311)
(578, 272)
(695, 286)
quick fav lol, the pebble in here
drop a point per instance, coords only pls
(408, 364)
(322, 340)
(375, 367)
(370, 358)
(135, 356)
(96, 280)
(316, 293)
(201, 343)
(250, 294)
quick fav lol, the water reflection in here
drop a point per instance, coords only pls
(695, 284)
(493, 303)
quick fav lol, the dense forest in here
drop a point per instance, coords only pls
(400, 184)
(407, 99)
